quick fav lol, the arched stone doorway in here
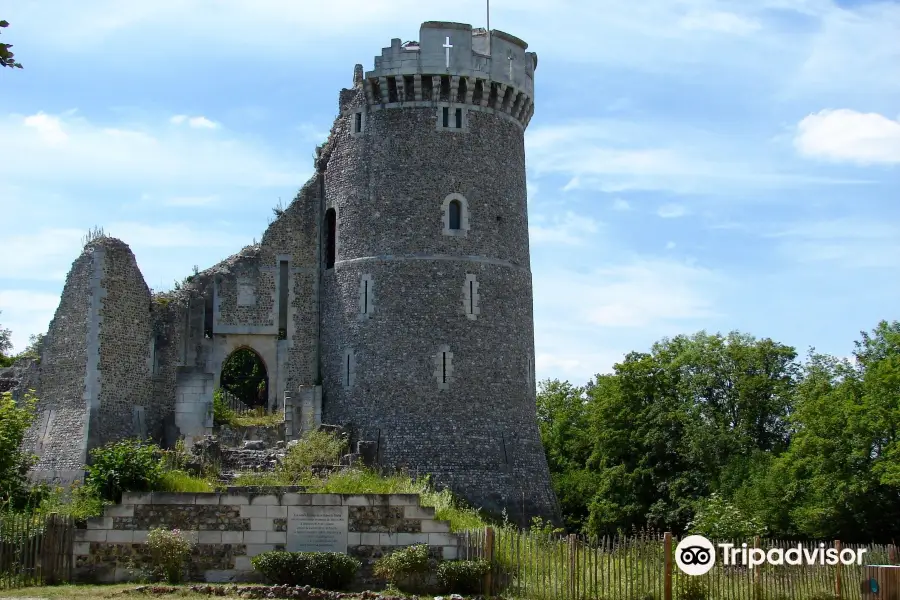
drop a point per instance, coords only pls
(245, 378)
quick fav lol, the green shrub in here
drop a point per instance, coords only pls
(462, 576)
(692, 588)
(169, 554)
(15, 419)
(313, 448)
(407, 568)
(125, 466)
(326, 570)
(222, 415)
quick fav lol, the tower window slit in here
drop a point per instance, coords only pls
(357, 123)
(365, 297)
(347, 373)
(446, 117)
(472, 297)
(459, 118)
(445, 88)
(444, 376)
(463, 88)
(455, 211)
(392, 89)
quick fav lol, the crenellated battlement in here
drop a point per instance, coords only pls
(456, 64)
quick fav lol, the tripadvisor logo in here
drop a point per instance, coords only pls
(696, 555)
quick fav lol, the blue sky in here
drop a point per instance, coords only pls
(692, 164)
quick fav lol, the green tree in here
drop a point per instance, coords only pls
(839, 477)
(5, 347)
(6, 56)
(15, 419)
(244, 377)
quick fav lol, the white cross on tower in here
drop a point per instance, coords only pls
(511, 58)
(448, 45)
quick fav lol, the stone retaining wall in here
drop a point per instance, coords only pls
(230, 528)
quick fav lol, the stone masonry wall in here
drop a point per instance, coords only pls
(58, 435)
(388, 184)
(125, 344)
(230, 528)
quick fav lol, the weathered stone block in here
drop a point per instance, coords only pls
(265, 500)
(208, 499)
(262, 524)
(278, 512)
(451, 552)
(233, 537)
(90, 535)
(233, 499)
(431, 526)
(100, 523)
(440, 539)
(254, 537)
(293, 499)
(418, 512)
(250, 512)
(174, 498)
(326, 500)
(354, 538)
(81, 548)
(255, 549)
(119, 510)
(114, 536)
(276, 537)
(403, 500)
(210, 537)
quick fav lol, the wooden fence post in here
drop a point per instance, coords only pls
(573, 561)
(892, 554)
(756, 572)
(837, 571)
(489, 556)
(667, 551)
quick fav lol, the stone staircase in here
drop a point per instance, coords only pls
(255, 449)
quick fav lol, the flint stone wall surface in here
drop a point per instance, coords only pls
(230, 528)
(479, 436)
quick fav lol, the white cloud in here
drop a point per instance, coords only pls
(719, 22)
(670, 245)
(77, 151)
(621, 205)
(46, 254)
(642, 293)
(671, 211)
(199, 122)
(847, 135)
(569, 229)
(849, 243)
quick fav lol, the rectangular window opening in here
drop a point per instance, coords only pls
(365, 297)
(426, 88)
(208, 320)
(459, 118)
(392, 90)
(347, 373)
(445, 88)
(446, 117)
(471, 297)
(409, 87)
(462, 90)
(444, 372)
(478, 93)
(357, 123)
(283, 282)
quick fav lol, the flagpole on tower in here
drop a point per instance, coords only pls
(489, 25)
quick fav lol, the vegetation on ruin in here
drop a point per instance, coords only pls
(732, 435)
(225, 416)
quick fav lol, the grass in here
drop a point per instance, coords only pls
(180, 481)
(257, 418)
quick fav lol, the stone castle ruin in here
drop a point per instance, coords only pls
(392, 297)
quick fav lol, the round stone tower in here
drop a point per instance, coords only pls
(427, 333)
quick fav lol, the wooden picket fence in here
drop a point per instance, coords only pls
(642, 566)
(35, 549)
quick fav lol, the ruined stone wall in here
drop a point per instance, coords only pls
(59, 434)
(478, 433)
(126, 350)
(230, 528)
